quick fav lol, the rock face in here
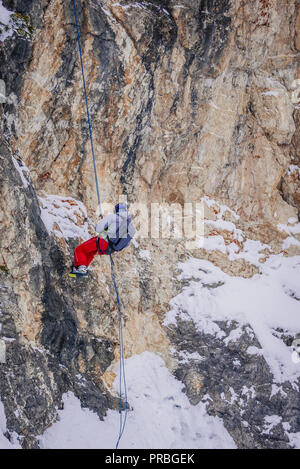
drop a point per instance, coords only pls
(37, 311)
(237, 387)
(189, 101)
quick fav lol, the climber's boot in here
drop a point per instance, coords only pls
(80, 271)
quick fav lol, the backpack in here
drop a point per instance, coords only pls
(121, 242)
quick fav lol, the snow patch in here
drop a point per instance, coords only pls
(294, 439)
(11, 22)
(23, 172)
(145, 254)
(290, 241)
(64, 217)
(271, 421)
(214, 243)
(234, 335)
(221, 232)
(186, 357)
(162, 416)
(270, 93)
(222, 209)
(4, 442)
(266, 302)
(290, 229)
(293, 168)
(277, 389)
(5, 22)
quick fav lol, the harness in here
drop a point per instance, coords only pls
(109, 250)
(114, 243)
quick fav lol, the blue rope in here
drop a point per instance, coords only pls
(122, 360)
(87, 109)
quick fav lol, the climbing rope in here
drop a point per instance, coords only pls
(87, 110)
(122, 360)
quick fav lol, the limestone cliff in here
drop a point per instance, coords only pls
(191, 101)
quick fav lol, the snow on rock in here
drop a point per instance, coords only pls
(5, 22)
(290, 241)
(294, 439)
(4, 442)
(23, 172)
(270, 93)
(220, 209)
(64, 217)
(223, 235)
(292, 228)
(161, 416)
(267, 302)
(270, 422)
(215, 243)
(185, 357)
(11, 22)
(145, 254)
(293, 169)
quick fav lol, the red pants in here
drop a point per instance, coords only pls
(85, 252)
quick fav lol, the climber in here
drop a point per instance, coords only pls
(116, 232)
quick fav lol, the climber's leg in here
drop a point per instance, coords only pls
(85, 252)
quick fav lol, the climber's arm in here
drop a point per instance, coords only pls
(104, 224)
